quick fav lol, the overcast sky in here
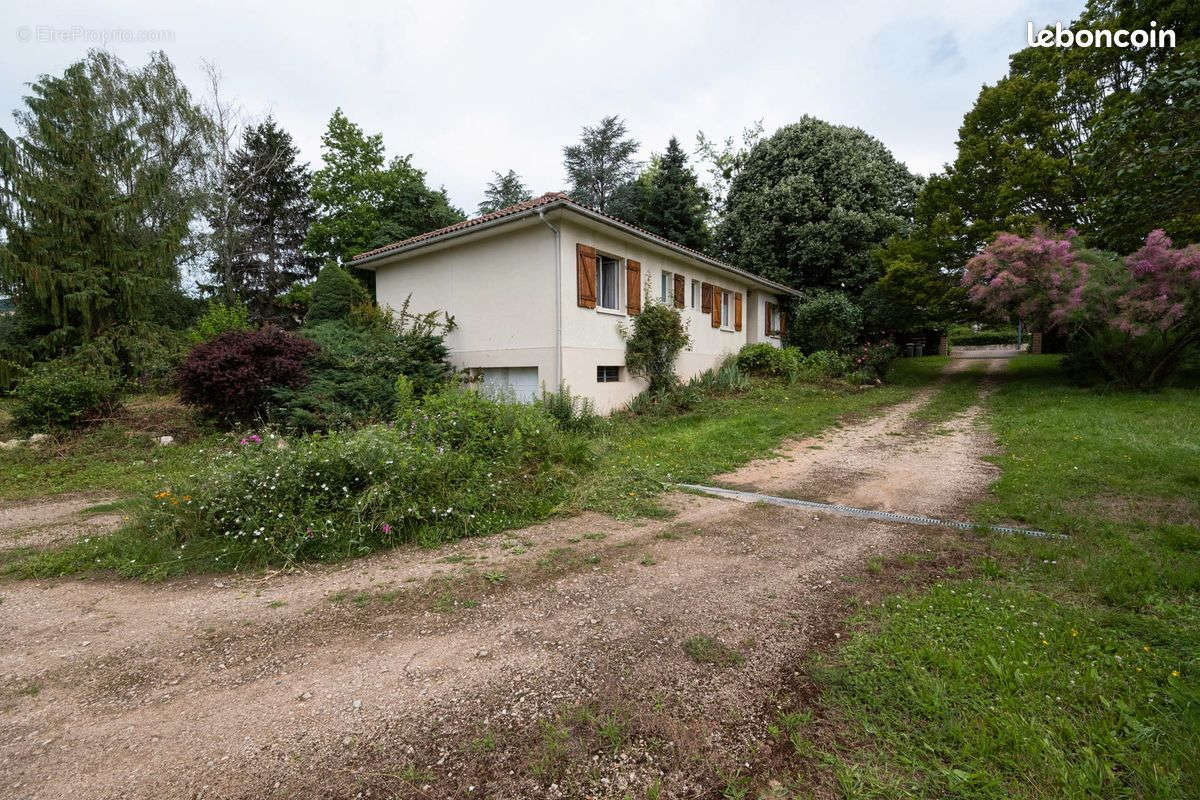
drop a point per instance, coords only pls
(469, 87)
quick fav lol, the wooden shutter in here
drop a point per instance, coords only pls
(782, 321)
(633, 287)
(585, 275)
(716, 307)
(679, 287)
(737, 311)
(706, 299)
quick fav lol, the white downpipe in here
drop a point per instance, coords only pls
(558, 329)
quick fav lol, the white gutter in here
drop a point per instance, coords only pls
(558, 314)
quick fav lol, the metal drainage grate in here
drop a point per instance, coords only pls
(862, 513)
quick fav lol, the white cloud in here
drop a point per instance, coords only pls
(471, 87)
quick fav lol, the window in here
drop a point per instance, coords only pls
(726, 312)
(772, 319)
(695, 293)
(608, 282)
(515, 383)
(667, 293)
(608, 374)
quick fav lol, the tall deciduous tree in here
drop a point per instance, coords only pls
(601, 163)
(723, 162)
(1102, 139)
(504, 191)
(1143, 156)
(363, 200)
(99, 191)
(273, 216)
(810, 204)
(673, 204)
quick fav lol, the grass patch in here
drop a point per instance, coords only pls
(958, 392)
(311, 515)
(108, 458)
(639, 457)
(706, 650)
(916, 372)
(1061, 669)
(119, 456)
(977, 690)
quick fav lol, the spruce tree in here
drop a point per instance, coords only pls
(97, 196)
(273, 215)
(673, 204)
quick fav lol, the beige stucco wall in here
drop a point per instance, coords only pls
(500, 289)
(591, 337)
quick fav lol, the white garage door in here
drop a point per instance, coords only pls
(521, 383)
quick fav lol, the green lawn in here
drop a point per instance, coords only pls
(637, 458)
(634, 460)
(1059, 669)
(957, 393)
(108, 459)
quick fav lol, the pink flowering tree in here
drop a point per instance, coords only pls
(1039, 279)
(1133, 319)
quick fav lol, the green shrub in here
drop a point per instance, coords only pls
(758, 358)
(827, 364)
(219, 318)
(353, 377)
(63, 394)
(724, 379)
(295, 301)
(824, 320)
(652, 346)
(873, 360)
(571, 413)
(764, 358)
(455, 464)
(334, 293)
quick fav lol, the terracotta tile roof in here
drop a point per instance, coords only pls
(561, 199)
(528, 205)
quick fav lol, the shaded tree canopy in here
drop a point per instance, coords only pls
(504, 191)
(363, 200)
(812, 201)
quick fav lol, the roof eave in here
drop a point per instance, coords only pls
(362, 261)
(586, 212)
(703, 259)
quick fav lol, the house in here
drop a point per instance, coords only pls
(539, 290)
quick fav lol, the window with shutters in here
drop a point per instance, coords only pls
(726, 311)
(608, 282)
(667, 290)
(608, 374)
(695, 293)
(772, 319)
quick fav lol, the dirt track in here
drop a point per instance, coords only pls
(452, 672)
